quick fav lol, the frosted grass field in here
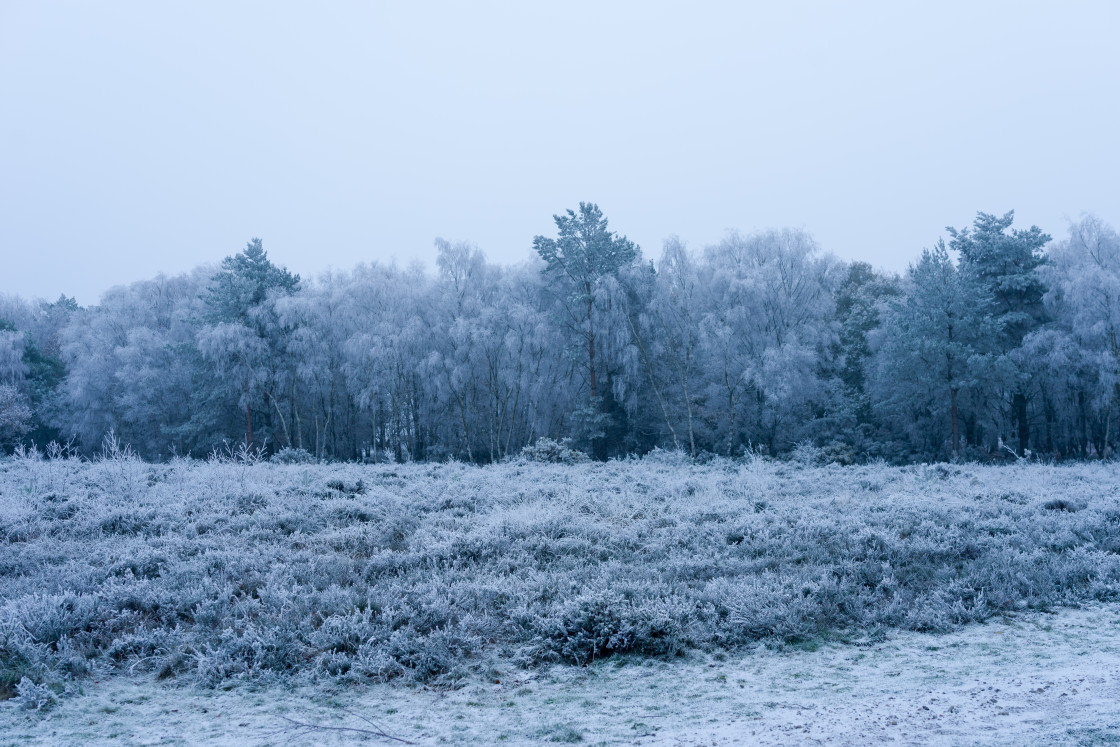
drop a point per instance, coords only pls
(1039, 678)
(198, 577)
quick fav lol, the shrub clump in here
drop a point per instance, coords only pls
(554, 452)
(288, 455)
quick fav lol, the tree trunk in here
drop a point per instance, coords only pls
(956, 422)
(283, 421)
(1019, 405)
(656, 390)
(598, 442)
(248, 416)
(688, 410)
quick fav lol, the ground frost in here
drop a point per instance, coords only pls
(1032, 679)
(606, 589)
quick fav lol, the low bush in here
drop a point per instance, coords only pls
(288, 455)
(234, 569)
(554, 452)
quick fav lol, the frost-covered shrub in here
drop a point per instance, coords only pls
(35, 696)
(288, 455)
(18, 657)
(807, 453)
(598, 624)
(837, 452)
(554, 452)
(231, 569)
(441, 654)
(1061, 504)
(673, 458)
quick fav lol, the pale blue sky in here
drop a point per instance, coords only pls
(155, 136)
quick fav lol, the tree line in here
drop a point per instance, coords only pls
(998, 343)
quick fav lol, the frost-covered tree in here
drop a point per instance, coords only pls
(15, 409)
(309, 399)
(487, 336)
(464, 360)
(936, 348)
(15, 414)
(584, 255)
(766, 328)
(243, 334)
(30, 358)
(1080, 351)
(1004, 263)
(860, 300)
(666, 335)
(389, 324)
(859, 303)
(12, 367)
(134, 368)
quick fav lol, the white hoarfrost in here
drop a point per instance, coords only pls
(1035, 679)
(650, 600)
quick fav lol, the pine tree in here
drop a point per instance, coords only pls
(584, 254)
(243, 328)
(938, 335)
(1005, 266)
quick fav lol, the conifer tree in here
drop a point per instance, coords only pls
(584, 254)
(243, 328)
(1004, 263)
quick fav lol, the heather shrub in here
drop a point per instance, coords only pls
(239, 569)
(553, 452)
(288, 455)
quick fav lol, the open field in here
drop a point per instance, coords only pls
(262, 576)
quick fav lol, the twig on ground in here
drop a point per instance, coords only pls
(376, 731)
(363, 718)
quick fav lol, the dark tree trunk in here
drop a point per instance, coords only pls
(598, 442)
(1019, 406)
(956, 422)
(248, 416)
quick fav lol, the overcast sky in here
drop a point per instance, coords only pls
(147, 137)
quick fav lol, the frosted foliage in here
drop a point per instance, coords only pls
(241, 569)
(934, 349)
(132, 365)
(669, 343)
(15, 413)
(757, 344)
(12, 367)
(1085, 295)
(763, 325)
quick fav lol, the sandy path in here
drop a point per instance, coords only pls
(1037, 679)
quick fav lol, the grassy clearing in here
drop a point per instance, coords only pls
(214, 573)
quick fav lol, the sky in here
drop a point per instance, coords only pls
(138, 137)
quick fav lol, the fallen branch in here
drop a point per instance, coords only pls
(375, 732)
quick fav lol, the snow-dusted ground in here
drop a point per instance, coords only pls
(1033, 679)
(202, 602)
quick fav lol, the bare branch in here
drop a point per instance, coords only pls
(375, 732)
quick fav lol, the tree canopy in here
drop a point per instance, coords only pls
(994, 341)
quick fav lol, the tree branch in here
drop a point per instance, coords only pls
(375, 732)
